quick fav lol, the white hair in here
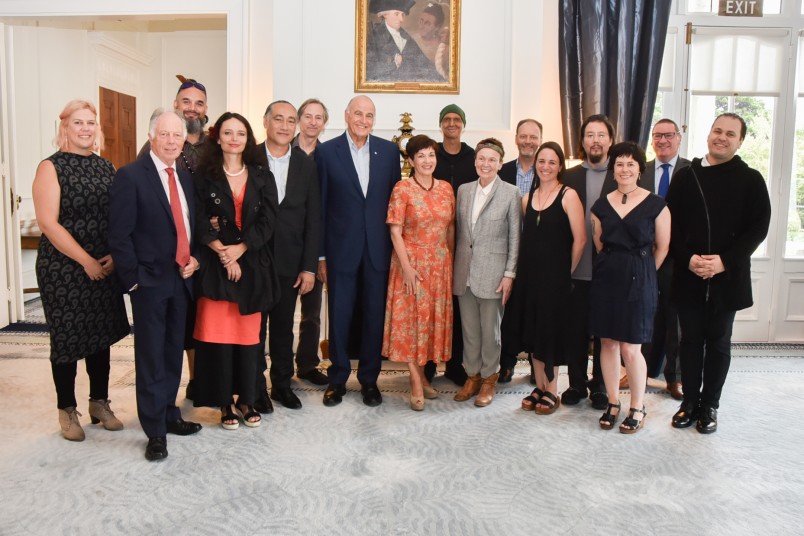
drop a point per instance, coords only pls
(159, 112)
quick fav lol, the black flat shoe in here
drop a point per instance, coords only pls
(686, 415)
(599, 400)
(506, 375)
(630, 425)
(371, 395)
(286, 397)
(182, 427)
(609, 419)
(263, 403)
(707, 420)
(156, 449)
(314, 376)
(572, 396)
(334, 394)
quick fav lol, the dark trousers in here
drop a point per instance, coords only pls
(577, 342)
(159, 318)
(310, 329)
(343, 298)
(280, 334)
(64, 378)
(664, 346)
(705, 351)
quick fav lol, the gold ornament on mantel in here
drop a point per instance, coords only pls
(402, 141)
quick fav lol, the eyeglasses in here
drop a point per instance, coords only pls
(666, 135)
(193, 83)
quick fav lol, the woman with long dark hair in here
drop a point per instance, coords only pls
(553, 238)
(236, 282)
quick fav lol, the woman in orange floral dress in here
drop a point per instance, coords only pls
(418, 310)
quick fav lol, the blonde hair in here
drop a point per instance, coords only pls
(72, 107)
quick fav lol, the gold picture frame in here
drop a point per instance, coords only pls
(429, 60)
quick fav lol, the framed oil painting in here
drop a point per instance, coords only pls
(407, 46)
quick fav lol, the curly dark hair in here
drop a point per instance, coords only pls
(627, 148)
(211, 161)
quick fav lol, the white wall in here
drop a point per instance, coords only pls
(509, 67)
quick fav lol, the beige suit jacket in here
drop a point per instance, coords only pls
(489, 252)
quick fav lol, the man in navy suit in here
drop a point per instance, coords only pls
(357, 171)
(150, 231)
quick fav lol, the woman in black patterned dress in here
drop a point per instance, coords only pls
(83, 306)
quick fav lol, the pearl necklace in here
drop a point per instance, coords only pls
(234, 174)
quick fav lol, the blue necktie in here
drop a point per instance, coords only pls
(664, 182)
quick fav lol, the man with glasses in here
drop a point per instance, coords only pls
(591, 180)
(657, 177)
(191, 104)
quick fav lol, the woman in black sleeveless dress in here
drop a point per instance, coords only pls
(632, 236)
(83, 306)
(553, 237)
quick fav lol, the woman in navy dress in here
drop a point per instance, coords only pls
(631, 230)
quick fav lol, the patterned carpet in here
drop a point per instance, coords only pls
(452, 469)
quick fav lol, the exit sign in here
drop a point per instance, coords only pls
(740, 8)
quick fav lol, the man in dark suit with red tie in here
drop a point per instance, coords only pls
(150, 231)
(357, 173)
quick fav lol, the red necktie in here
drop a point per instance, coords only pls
(182, 244)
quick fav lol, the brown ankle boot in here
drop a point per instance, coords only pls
(100, 412)
(469, 389)
(70, 426)
(486, 394)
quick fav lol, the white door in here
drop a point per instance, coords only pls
(747, 71)
(6, 295)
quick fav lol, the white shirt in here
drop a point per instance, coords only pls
(481, 196)
(360, 158)
(279, 167)
(397, 37)
(658, 175)
(163, 176)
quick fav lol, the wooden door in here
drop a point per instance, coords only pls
(118, 113)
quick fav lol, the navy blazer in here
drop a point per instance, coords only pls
(508, 174)
(350, 219)
(142, 234)
(649, 176)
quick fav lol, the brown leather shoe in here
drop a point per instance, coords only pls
(469, 389)
(70, 425)
(100, 412)
(624, 382)
(486, 394)
(675, 390)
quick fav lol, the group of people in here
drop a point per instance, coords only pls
(468, 262)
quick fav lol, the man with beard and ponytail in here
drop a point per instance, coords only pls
(591, 179)
(191, 104)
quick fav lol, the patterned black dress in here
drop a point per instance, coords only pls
(83, 316)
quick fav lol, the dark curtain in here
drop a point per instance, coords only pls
(610, 57)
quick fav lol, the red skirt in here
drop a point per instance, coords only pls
(221, 322)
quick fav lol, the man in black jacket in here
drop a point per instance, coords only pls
(721, 212)
(295, 242)
(521, 172)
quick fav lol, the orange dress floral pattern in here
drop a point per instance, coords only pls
(418, 327)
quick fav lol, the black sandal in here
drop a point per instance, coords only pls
(530, 401)
(609, 419)
(630, 425)
(227, 416)
(549, 400)
(251, 418)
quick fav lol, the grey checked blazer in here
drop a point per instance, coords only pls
(485, 255)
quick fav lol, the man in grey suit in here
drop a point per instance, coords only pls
(658, 174)
(487, 230)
